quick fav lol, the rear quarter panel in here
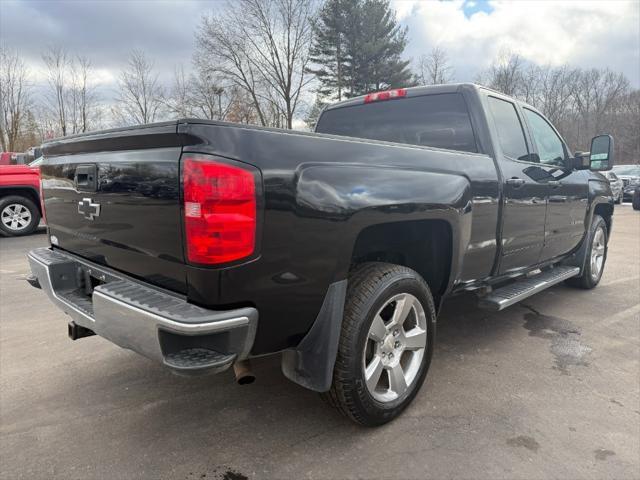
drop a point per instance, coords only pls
(320, 193)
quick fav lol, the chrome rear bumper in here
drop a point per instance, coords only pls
(155, 323)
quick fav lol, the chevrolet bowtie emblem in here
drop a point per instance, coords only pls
(88, 209)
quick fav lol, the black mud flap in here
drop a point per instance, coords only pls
(311, 363)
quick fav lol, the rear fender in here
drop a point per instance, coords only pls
(357, 197)
(360, 196)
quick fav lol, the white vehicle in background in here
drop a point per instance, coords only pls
(616, 186)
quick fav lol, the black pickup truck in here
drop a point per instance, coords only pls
(201, 244)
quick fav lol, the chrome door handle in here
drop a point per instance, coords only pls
(515, 181)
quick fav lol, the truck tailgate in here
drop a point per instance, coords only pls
(114, 198)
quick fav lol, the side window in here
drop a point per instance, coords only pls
(550, 148)
(509, 128)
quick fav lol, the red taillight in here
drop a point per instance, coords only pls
(386, 95)
(219, 210)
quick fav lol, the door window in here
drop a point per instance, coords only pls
(550, 147)
(510, 132)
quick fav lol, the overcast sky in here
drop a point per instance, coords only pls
(581, 33)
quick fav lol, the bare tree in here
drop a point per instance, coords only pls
(207, 96)
(203, 95)
(84, 107)
(222, 50)
(71, 100)
(15, 98)
(140, 96)
(505, 74)
(179, 101)
(434, 68)
(57, 63)
(262, 47)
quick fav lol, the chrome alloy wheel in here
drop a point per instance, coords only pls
(15, 217)
(597, 253)
(395, 347)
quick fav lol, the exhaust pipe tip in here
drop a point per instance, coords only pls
(244, 374)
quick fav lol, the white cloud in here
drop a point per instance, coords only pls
(585, 34)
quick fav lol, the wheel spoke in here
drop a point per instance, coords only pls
(401, 311)
(599, 236)
(373, 372)
(378, 329)
(388, 369)
(415, 339)
(397, 381)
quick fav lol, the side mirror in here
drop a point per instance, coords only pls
(601, 155)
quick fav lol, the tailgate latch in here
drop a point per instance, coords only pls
(85, 178)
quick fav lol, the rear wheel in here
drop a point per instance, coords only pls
(386, 343)
(18, 215)
(596, 256)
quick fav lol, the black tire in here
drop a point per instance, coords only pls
(26, 203)
(372, 285)
(635, 200)
(587, 280)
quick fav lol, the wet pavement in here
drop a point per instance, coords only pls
(546, 389)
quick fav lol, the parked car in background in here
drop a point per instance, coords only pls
(616, 185)
(630, 176)
(13, 158)
(20, 206)
(635, 200)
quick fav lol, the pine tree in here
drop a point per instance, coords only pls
(329, 50)
(358, 48)
(314, 113)
(377, 58)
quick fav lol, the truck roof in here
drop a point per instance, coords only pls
(411, 91)
(423, 90)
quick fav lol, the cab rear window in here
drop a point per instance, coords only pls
(438, 120)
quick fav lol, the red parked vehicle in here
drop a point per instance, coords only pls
(20, 205)
(14, 158)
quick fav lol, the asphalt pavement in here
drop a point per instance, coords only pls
(549, 388)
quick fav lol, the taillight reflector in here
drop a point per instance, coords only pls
(386, 95)
(219, 210)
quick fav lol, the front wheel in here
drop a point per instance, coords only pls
(386, 343)
(596, 256)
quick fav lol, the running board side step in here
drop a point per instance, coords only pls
(519, 290)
